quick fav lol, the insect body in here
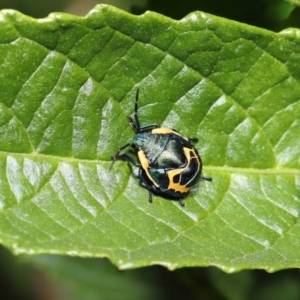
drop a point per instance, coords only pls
(169, 164)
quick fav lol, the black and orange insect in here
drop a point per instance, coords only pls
(169, 164)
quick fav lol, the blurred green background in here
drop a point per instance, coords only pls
(65, 278)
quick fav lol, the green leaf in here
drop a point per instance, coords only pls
(67, 85)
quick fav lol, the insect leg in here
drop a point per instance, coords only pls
(141, 128)
(181, 202)
(143, 181)
(127, 156)
(193, 140)
(205, 178)
(150, 197)
(148, 127)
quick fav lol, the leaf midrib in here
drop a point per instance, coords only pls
(211, 169)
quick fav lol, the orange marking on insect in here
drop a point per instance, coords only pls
(166, 131)
(145, 165)
(171, 174)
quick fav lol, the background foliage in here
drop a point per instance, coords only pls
(219, 289)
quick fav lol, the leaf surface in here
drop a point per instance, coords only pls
(67, 85)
